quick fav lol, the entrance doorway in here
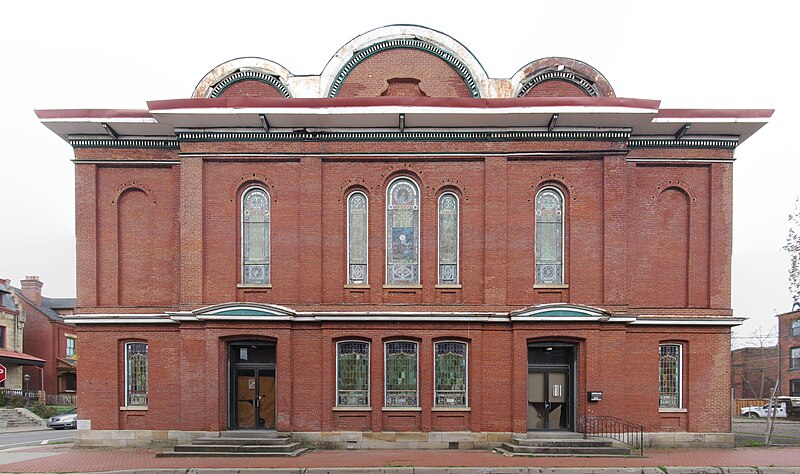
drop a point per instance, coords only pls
(251, 394)
(551, 399)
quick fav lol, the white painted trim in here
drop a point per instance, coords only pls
(116, 320)
(683, 120)
(687, 321)
(132, 162)
(125, 380)
(679, 374)
(687, 160)
(100, 120)
(203, 317)
(369, 379)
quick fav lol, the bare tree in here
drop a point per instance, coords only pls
(754, 364)
(793, 247)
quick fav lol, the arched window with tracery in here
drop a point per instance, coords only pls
(255, 236)
(549, 237)
(448, 239)
(357, 241)
(402, 232)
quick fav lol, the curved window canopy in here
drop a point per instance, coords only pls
(402, 233)
(255, 237)
(549, 238)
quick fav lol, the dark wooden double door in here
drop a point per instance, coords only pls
(252, 386)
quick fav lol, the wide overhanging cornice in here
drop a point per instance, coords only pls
(169, 121)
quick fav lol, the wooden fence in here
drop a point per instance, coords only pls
(740, 403)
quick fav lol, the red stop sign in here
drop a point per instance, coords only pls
(2, 373)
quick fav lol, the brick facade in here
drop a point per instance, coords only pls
(646, 244)
(788, 340)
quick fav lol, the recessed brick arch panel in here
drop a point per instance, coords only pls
(251, 88)
(396, 72)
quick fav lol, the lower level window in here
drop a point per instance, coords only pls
(401, 374)
(794, 388)
(352, 374)
(794, 361)
(136, 374)
(451, 374)
(669, 376)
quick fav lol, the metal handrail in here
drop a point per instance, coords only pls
(623, 431)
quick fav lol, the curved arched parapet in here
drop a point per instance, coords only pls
(260, 71)
(404, 37)
(571, 76)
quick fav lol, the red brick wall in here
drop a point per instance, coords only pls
(556, 88)
(188, 375)
(437, 78)
(251, 88)
(785, 344)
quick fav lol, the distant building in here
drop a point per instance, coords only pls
(49, 337)
(789, 347)
(754, 371)
(12, 327)
(405, 245)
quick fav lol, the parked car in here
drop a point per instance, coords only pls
(64, 420)
(785, 407)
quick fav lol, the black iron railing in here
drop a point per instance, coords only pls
(623, 431)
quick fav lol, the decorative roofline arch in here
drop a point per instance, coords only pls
(404, 36)
(242, 69)
(576, 72)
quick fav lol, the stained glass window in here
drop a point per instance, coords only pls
(451, 374)
(136, 374)
(401, 374)
(549, 237)
(357, 231)
(255, 237)
(669, 376)
(448, 239)
(352, 374)
(402, 233)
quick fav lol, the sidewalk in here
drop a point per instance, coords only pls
(65, 458)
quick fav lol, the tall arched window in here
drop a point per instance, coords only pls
(402, 232)
(255, 237)
(549, 238)
(448, 239)
(357, 242)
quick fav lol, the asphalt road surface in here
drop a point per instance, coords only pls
(33, 438)
(750, 432)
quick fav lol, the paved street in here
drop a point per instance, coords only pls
(750, 432)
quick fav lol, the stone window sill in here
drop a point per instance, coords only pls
(352, 408)
(540, 286)
(133, 408)
(401, 409)
(451, 409)
(357, 286)
(402, 287)
(448, 287)
(672, 410)
(253, 287)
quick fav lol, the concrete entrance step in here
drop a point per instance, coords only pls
(573, 444)
(239, 443)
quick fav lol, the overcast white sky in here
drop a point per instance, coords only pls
(102, 54)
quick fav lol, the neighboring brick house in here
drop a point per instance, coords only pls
(12, 328)
(403, 247)
(754, 371)
(789, 348)
(49, 337)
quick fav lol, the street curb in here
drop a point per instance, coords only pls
(469, 470)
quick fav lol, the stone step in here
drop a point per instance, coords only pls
(554, 434)
(241, 441)
(565, 450)
(562, 442)
(236, 448)
(175, 454)
(249, 434)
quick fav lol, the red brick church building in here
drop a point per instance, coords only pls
(403, 251)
